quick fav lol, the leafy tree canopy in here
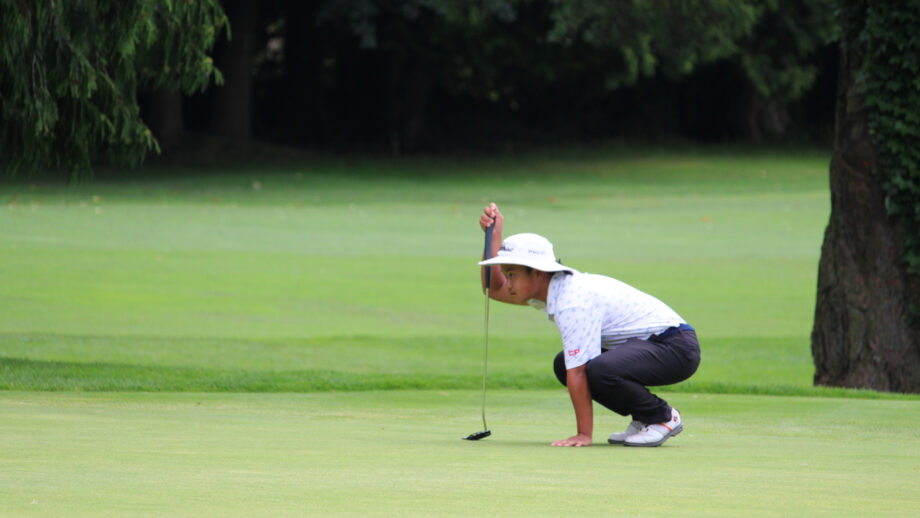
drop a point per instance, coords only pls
(771, 39)
(70, 74)
(70, 71)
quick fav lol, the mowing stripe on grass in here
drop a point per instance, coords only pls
(56, 376)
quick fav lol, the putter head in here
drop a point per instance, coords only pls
(478, 435)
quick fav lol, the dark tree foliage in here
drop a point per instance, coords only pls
(70, 74)
(773, 44)
(403, 74)
(557, 64)
(891, 85)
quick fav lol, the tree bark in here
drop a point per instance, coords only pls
(231, 113)
(409, 87)
(304, 85)
(862, 337)
(165, 118)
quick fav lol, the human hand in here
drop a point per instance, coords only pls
(575, 440)
(490, 215)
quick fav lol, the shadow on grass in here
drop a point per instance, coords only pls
(32, 375)
(22, 374)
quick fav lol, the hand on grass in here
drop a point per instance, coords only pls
(575, 440)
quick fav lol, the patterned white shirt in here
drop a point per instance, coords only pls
(595, 312)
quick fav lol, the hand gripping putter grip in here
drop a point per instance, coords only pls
(487, 254)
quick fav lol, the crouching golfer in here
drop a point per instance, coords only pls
(616, 340)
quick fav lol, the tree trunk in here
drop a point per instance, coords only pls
(862, 337)
(231, 113)
(306, 91)
(409, 87)
(761, 118)
(165, 118)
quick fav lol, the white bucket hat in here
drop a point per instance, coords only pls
(530, 250)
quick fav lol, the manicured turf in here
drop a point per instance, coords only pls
(306, 340)
(399, 453)
(361, 274)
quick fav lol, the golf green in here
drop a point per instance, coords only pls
(306, 340)
(400, 453)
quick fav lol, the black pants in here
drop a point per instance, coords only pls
(618, 378)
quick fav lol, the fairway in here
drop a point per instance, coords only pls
(266, 278)
(399, 453)
(291, 340)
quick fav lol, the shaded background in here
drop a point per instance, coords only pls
(434, 76)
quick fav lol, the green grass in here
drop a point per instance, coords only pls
(357, 274)
(306, 340)
(399, 453)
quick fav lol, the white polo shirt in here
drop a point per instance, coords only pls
(594, 312)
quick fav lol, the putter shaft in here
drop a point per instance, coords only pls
(485, 359)
(487, 277)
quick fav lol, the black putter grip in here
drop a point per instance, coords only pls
(487, 254)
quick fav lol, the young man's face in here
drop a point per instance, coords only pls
(522, 285)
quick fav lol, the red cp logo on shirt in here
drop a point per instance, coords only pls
(573, 352)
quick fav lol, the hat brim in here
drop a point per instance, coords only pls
(545, 266)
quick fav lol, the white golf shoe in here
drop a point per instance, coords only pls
(620, 437)
(656, 434)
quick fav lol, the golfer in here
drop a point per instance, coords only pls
(616, 340)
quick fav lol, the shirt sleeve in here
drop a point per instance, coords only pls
(580, 329)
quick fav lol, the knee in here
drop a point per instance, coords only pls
(559, 367)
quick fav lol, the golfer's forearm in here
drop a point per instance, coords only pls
(577, 382)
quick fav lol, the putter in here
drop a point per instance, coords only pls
(485, 347)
